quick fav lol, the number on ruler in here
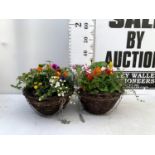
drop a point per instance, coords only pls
(85, 52)
(85, 40)
(85, 25)
(78, 24)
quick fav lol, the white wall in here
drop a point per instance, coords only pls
(25, 43)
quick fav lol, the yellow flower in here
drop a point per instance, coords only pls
(35, 87)
(40, 83)
(35, 83)
(110, 65)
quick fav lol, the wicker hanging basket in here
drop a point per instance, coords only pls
(47, 107)
(98, 103)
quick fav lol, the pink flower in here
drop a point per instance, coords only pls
(85, 67)
(55, 66)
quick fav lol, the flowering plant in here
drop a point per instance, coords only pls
(46, 80)
(99, 77)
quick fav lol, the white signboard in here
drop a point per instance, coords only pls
(130, 45)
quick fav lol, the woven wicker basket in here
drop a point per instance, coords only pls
(98, 103)
(47, 107)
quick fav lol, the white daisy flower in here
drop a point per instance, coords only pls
(103, 69)
(57, 84)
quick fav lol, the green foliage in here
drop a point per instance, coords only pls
(46, 80)
(98, 64)
(100, 78)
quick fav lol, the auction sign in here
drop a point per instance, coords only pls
(130, 45)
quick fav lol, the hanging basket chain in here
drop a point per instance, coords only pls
(61, 115)
(137, 97)
(80, 109)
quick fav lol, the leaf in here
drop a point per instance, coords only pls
(98, 64)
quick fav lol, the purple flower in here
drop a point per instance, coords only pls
(62, 78)
(55, 66)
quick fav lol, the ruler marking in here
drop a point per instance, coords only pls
(81, 41)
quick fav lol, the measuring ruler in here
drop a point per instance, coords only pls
(82, 41)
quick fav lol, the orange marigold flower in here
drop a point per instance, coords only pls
(58, 73)
(97, 71)
(39, 69)
(65, 74)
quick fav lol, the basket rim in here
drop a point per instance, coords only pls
(85, 93)
(29, 95)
